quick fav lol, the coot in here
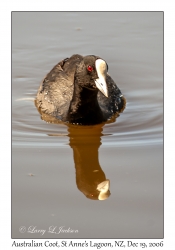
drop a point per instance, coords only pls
(79, 90)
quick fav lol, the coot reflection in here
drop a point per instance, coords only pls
(85, 142)
(90, 178)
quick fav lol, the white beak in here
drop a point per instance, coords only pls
(100, 82)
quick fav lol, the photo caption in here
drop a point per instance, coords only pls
(132, 244)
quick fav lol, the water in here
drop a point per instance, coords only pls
(52, 164)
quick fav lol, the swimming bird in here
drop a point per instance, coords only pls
(79, 90)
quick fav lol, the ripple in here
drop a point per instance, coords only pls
(141, 126)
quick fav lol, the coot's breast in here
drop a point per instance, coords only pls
(114, 102)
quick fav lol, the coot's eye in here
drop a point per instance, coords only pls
(89, 68)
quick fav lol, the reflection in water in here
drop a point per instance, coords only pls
(90, 178)
(85, 142)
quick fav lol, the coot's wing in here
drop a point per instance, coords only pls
(56, 90)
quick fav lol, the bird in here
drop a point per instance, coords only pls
(79, 90)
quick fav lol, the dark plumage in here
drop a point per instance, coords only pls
(70, 91)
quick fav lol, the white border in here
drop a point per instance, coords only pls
(5, 100)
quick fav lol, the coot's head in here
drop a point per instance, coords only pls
(91, 74)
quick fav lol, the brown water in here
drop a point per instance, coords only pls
(54, 167)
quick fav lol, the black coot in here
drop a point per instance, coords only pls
(79, 90)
